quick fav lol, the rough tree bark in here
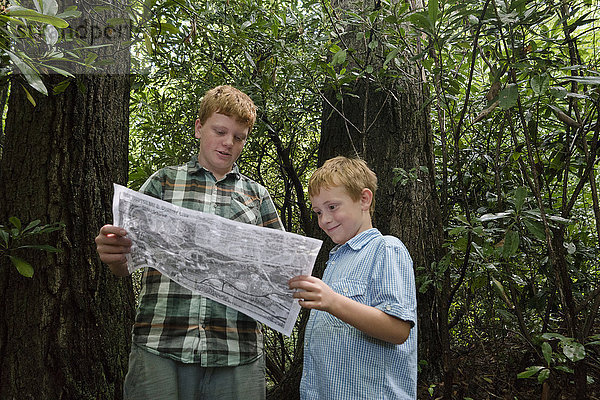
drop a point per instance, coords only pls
(65, 333)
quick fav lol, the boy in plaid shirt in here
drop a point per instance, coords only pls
(186, 346)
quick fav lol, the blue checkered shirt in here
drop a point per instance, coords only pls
(341, 362)
(173, 322)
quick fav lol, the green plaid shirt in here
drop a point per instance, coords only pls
(173, 322)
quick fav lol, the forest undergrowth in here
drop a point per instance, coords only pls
(488, 371)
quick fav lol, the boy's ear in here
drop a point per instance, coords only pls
(197, 127)
(366, 198)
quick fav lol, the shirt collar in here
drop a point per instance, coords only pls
(360, 240)
(195, 167)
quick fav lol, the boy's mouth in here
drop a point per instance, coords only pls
(332, 228)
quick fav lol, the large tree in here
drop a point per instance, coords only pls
(65, 332)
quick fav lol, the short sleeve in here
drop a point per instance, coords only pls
(393, 284)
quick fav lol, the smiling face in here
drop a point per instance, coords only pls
(341, 217)
(222, 139)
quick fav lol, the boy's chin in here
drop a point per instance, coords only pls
(337, 241)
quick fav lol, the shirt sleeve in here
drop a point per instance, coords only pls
(393, 284)
(269, 215)
(153, 185)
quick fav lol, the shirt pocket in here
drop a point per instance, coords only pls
(244, 208)
(355, 290)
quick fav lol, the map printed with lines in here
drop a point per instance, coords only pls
(243, 266)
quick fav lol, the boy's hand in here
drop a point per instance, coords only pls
(112, 247)
(313, 292)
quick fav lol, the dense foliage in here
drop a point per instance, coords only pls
(514, 99)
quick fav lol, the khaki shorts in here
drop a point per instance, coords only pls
(151, 377)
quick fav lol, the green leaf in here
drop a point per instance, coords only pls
(30, 15)
(33, 77)
(61, 87)
(165, 27)
(22, 266)
(558, 92)
(520, 194)
(558, 219)
(50, 7)
(558, 336)
(564, 368)
(473, 19)
(5, 237)
(511, 243)
(544, 374)
(51, 227)
(573, 350)
(70, 12)
(390, 56)
(45, 247)
(547, 352)
(584, 80)
(29, 96)
(459, 230)
(501, 292)
(529, 372)
(339, 57)
(421, 21)
(536, 228)
(32, 225)
(148, 43)
(539, 84)
(494, 216)
(61, 72)
(16, 222)
(433, 9)
(508, 96)
(506, 315)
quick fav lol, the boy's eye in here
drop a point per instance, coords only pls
(332, 206)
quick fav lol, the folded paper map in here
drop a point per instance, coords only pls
(243, 266)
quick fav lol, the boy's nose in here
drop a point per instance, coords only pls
(325, 218)
(228, 140)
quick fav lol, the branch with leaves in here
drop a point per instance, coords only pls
(12, 240)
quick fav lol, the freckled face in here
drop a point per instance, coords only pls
(341, 217)
(222, 139)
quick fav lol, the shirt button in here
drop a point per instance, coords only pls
(388, 307)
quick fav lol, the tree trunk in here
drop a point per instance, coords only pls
(65, 332)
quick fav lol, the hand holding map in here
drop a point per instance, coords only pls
(243, 266)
